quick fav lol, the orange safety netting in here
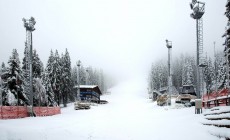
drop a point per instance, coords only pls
(13, 112)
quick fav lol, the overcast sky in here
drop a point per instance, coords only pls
(123, 37)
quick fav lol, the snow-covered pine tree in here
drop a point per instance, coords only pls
(40, 97)
(74, 75)
(13, 92)
(220, 70)
(188, 72)
(155, 77)
(56, 77)
(226, 35)
(2, 83)
(48, 70)
(184, 71)
(37, 69)
(62, 86)
(3, 68)
(209, 75)
(37, 65)
(82, 75)
(66, 82)
(158, 75)
(177, 67)
(47, 80)
(193, 64)
(39, 89)
(89, 75)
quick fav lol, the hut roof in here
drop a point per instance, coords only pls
(93, 87)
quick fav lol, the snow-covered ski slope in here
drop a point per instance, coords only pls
(129, 115)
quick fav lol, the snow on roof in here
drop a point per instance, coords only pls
(92, 87)
(86, 86)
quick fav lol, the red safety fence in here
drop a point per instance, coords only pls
(219, 98)
(46, 111)
(13, 112)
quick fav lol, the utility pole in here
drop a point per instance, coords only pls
(29, 25)
(198, 11)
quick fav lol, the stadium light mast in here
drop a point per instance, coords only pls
(29, 25)
(169, 46)
(198, 11)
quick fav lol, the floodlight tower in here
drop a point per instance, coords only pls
(198, 12)
(29, 25)
(169, 46)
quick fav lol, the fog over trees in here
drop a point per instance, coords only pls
(52, 84)
(184, 72)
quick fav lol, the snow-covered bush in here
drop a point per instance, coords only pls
(10, 99)
(12, 82)
(40, 97)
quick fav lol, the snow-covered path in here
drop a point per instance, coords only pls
(128, 116)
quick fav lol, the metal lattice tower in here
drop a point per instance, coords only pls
(29, 25)
(198, 11)
(27, 70)
(200, 51)
(200, 36)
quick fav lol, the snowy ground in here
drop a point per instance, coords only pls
(128, 116)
